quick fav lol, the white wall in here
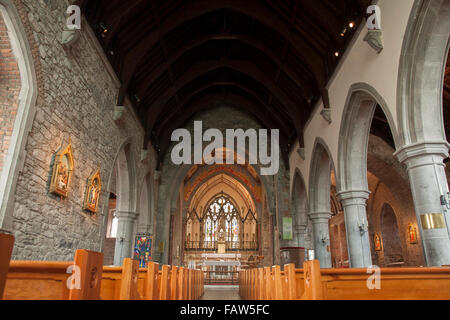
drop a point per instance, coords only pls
(360, 64)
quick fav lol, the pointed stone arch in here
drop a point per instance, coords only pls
(300, 209)
(359, 110)
(124, 175)
(352, 184)
(146, 206)
(13, 162)
(319, 200)
(421, 73)
(390, 236)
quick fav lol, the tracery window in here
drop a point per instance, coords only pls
(221, 216)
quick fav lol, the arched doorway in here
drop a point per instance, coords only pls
(120, 214)
(322, 169)
(361, 105)
(393, 254)
(18, 94)
(302, 223)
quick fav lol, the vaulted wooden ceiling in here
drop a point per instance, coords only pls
(271, 58)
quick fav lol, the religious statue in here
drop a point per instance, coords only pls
(412, 233)
(93, 189)
(377, 242)
(62, 172)
(94, 193)
(221, 236)
(62, 177)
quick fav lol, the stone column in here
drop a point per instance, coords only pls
(300, 234)
(321, 233)
(300, 228)
(426, 170)
(124, 241)
(356, 224)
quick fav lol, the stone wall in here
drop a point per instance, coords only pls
(75, 105)
(10, 85)
(389, 184)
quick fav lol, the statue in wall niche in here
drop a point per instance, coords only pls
(93, 189)
(62, 172)
(412, 233)
(377, 242)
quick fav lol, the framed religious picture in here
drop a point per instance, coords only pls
(62, 171)
(412, 234)
(92, 194)
(377, 242)
(142, 249)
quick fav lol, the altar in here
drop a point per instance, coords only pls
(223, 262)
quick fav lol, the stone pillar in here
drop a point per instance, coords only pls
(124, 241)
(300, 234)
(321, 233)
(426, 170)
(358, 242)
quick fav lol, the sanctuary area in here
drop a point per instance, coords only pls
(224, 149)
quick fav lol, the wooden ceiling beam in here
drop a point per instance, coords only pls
(204, 103)
(191, 10)
(284, 122)
(244, 67)
(305, 85)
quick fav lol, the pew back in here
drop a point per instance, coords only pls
(395, 284)
(6, 248)
(37, 280)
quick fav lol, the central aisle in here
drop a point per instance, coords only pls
(221, 293)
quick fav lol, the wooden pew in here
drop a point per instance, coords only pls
(36, 280)
(352, 284)
(181, 284)
(151, 282)
(190, 279)
(6, 248)
(174, 283)
(91, 265)
(267, 284)
(164, 283)
(396, 284)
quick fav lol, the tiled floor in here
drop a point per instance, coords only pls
(221, 293)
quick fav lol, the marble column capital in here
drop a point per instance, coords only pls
(320, 217)
(423, 153)
(127, 215)
(353, 197)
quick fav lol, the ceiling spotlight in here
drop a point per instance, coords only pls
(336, 53)
(351, 25)
(102, 29)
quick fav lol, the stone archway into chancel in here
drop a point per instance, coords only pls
(204, 188)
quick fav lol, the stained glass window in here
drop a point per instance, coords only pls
(221, 214)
